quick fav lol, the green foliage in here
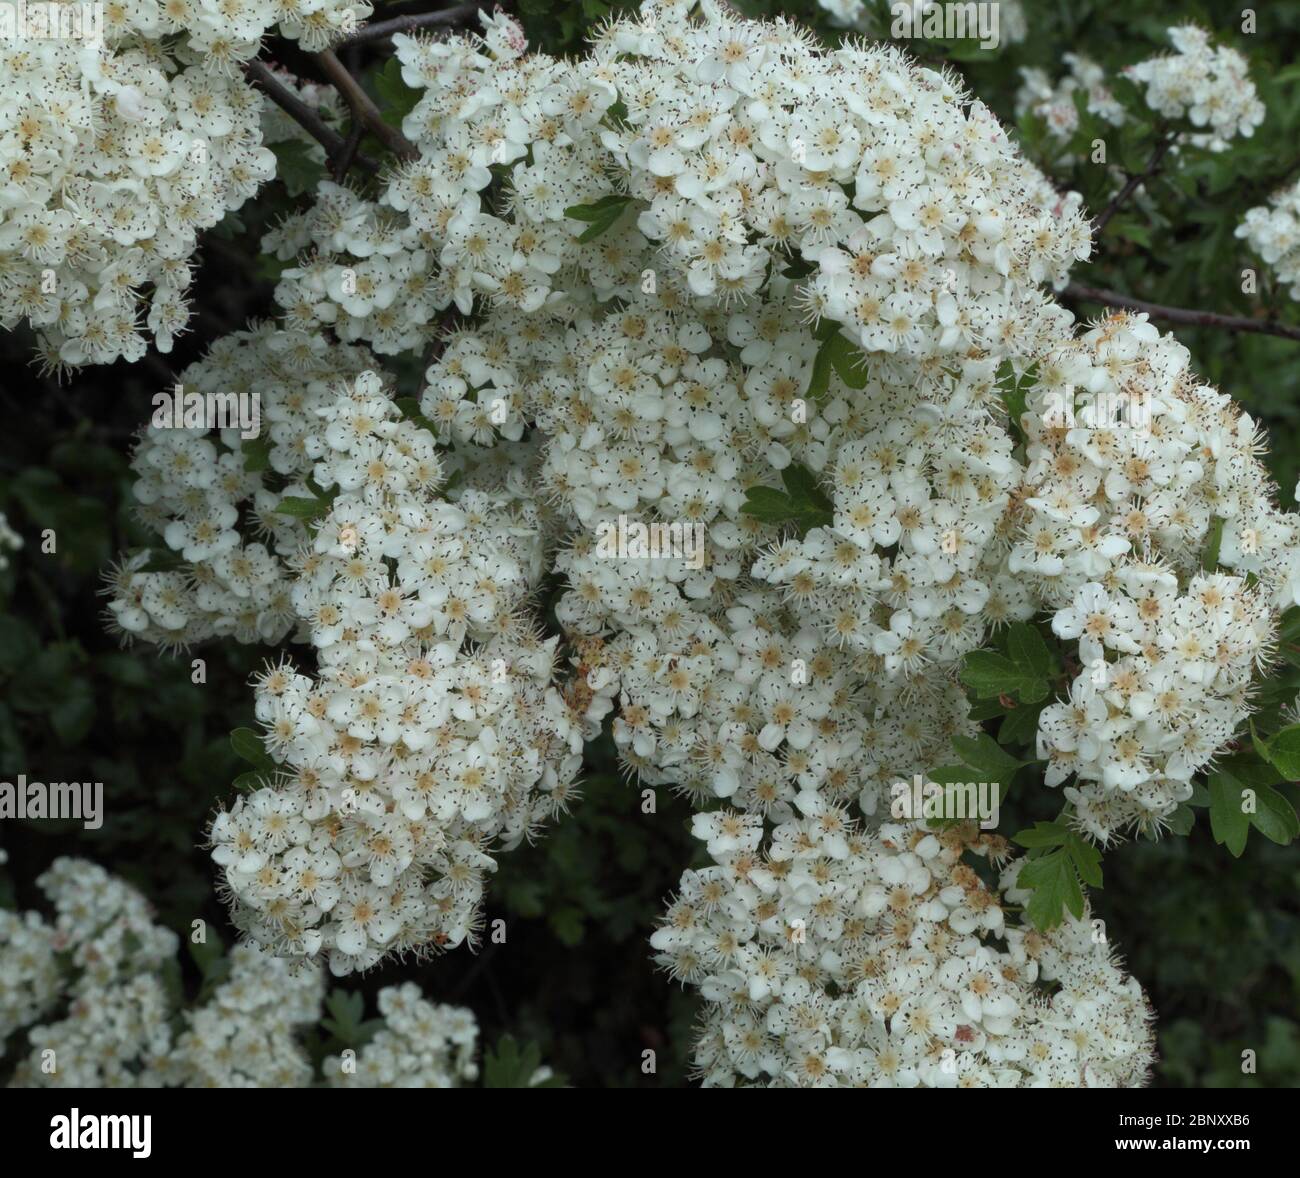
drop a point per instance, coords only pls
(396, 98)
(803, 503)
(1057, 866)
(507, 1065)
(836, 354)
(1023, 668)
(296, 166)
(600, 215)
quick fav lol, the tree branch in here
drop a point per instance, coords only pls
(260, 75)
(382, 30)
(1192, 318)
(1134, 182)
(363, 106)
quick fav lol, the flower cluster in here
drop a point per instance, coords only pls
(421, 1045)
(724, 151)
(739, 323)
(102, 956)
(1054, 102)
(829, 958)
(106, 964)
(1273, 232)
(206, 491)
(433, 729)
(117, 152)
(1209, 85)
(247, 1034)
(1134, 471)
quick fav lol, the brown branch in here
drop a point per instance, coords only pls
(1185, 315)
(363, 106)
(382, 30)
(344, 159)
(260, 75)
(1135, 181)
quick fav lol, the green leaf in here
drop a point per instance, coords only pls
(257, 453)
(1283, 751)
(1053, 886)
(397, 99)
(837, 355)
(1182, 820)
(803, 503)
(1015, 393)
(1020, 727)
(1024, 672)
(1229, 824)
(1213, 542)
(983, 754)
(1029, 652)
(1042, 834)
(248, 746)
(507, 1065)
(990, 675)
(348, 1012)
(600, 215)
(295, 166)
(303, 508)
(1275, 818)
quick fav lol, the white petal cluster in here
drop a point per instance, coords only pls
(118, 150)
(109, 957)
(1054, 102)
(1209, 85)
(432, 729)
(738, 147)
(1135, 470)
(30, 980)
(247, 1034)
(422, 1044)
(827, 958)
(212, 496)
(106, 965)
(1273, 232)
(1166, 683)
(1206, 85)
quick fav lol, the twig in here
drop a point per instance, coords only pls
(261, 76)
(363, 106)
(1135, 181)
(346, 156)
(1185, 315)
(382, 30)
